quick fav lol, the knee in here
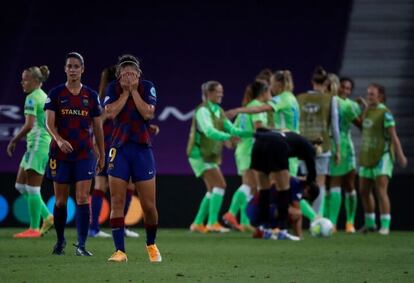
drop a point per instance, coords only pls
(60, 202)
(117, 202)
(148, 207)
(21, 188)
(82, 197)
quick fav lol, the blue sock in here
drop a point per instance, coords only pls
(118, 228)
(151, 231)
(60, 216)
(96, 205)
(128, 198)
(82, 223)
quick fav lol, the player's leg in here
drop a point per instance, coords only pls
(366, 186)
(250, 180)
(128, 198)
(20, 185)
(348, 183)
(202, 213)
(322, 163)
(216, 180)
(295, 216)
(335, 199)
(381, 183)
(60, 216)
(82, 215)
(98, 195)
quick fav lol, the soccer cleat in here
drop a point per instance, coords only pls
(59, 248)
(384, 231)
(349, 228)
(29, 233)
(366, 230)
(130, 233)
(81, 251)
(248, 228)
(153, 253)
(284, 235)
(47, 225)
(201, 228)
(98, 234)
(231, 220)
(217, 227)
(118, 256)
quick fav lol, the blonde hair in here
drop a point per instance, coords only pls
(285, 77)
(332, 84)
(207, 87)
(40, 74)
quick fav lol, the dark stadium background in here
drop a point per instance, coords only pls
(180, 44)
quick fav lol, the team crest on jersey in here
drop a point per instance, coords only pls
(367, 123)
(85, 102)
(311, 108)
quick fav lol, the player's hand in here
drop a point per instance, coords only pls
(64, 146)
(362, 102)
(154, 129)
(10, 148)
(231, 113)
(337, 157)
(402, 161)
(234, 140)
(100, 164)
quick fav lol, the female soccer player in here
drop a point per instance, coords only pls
(319, 120)
(342, 174)
(101, 179)
(71, 109)
(32, 167)
(209, 129)
(130, 102)
(379, 142)
(256, 94)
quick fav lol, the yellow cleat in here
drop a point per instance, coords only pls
(47, 225)
(201, 228)
(118, 256)
(349, 228)
(153, 253)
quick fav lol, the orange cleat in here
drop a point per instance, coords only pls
(153, 253)
(29, 233)
(349, 228)
(217, 227)
(231, 220)
(201, 228)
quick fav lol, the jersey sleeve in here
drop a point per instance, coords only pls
(388, 120)
(110, 94)
(205, 124)
(353, 110)
(96, 108)
(150, 93)
(52, 101)
(235, 131)
(30, 106)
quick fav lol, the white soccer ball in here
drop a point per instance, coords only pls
(321, 227)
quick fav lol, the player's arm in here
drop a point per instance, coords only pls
(99, 140)
(402, 160)
(335, 128)
(112, 109)
(235, 131)
(27, 127)
(205, 124)
(251, 110)
(63, 144)
(145, 109)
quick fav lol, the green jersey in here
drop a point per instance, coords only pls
(286, 111)
(246, 122)
(33, 106)
(348, 111)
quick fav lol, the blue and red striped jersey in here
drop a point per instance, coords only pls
(129, 125)
(73, 118)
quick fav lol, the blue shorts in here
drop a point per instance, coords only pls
(296, 189)
(68, 172)
(133, 161)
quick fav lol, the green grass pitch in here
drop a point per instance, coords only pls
(232, 257)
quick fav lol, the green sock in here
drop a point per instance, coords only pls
(244, 219)
(34, 210)
(307, 210)
(215, 205)
(203, 209)
(369, 220)
(350, 206)
(44, 211)
(239, 198)
(326, 206)
(385, 221)
(335, 199)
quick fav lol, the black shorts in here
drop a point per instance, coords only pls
(270, 153)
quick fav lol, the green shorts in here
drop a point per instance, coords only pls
(348, 162)
(383, 168)
(243, 163)
(199, 166)
(35, 158)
